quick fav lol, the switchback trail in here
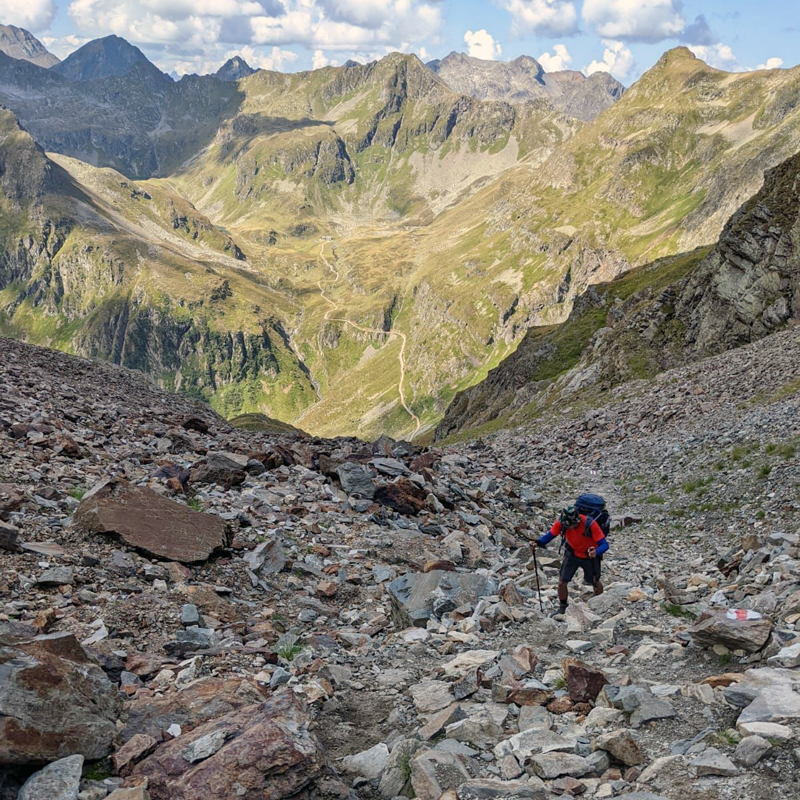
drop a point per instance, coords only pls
(403, 339)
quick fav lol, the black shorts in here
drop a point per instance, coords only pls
(571, 564)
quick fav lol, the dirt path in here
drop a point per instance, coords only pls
(403, 339)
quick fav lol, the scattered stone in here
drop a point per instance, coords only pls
(713, 762)
(751, 750)
(723, 627)
(370, 764)
(57, 781)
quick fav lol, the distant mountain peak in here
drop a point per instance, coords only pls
(101, 58)
(524, 79)
(234, 69)
(19, 43)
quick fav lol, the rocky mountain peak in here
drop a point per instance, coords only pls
(234, 69)
(19, 43)
(101, 58)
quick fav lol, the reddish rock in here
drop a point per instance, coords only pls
(521, 695)
(583, 682)
(561, 705)
(260, 751)
(55, 701)
(403, 496)
(327, 589)
(570, 786)
(150, 523)
(203, 700)
(133, 751)
(442, 564)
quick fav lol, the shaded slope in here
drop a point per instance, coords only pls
(101, 58)
(656, 317)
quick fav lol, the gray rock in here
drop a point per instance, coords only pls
(191, 639)
(651, 708)
(190, 616)
(434, 772)
(778, 703)
(714, 627)
(390, 466)
(714, 763)
(396, 778)
(57, 781)
(204, 747)
(751, 750)
(356, 480)
(57, 576)
(622, 745)
(488, 789)
(368, 764)
(416, 597)
(555, 765)
(430, 696)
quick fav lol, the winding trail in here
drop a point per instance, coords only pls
(402, 356)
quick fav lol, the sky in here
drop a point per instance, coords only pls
(623, 37)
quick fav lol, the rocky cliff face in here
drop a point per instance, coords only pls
(745, 287)
(524, 79)
(19, 43)
(234, 69)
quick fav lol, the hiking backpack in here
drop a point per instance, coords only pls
(594, 507)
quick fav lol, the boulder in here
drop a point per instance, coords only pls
(555, 765)
(368, 764)
(263, 750)
(150, 523)
(133, 751)
(416, 597)
(488, 789)
(621, 745)
(402, 496)
(356, 480)
(751, 750)
(583, 682)
(9, 537)
(60, 780)
(713, 762)
(226, 469)
(55, 701)
(723, 627)
(433, 773)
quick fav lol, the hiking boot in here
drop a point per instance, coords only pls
(560, 611)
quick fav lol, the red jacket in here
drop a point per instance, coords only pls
(576, 538)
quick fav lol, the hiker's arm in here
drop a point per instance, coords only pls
(548, 537)
(602, 546)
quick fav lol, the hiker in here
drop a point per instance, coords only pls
(585, 542)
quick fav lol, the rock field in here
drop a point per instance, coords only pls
(188, 610)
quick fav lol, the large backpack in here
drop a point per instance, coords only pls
(594, 507)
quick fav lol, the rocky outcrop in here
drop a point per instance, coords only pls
(100, 58)
(658, 316)
(234, 69)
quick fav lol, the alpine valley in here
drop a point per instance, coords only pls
(348, 249)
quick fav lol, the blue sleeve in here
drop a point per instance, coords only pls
(547, 538)
(602, 546)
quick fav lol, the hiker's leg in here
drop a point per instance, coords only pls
(568, 569)
(563, 593)
(598, 587)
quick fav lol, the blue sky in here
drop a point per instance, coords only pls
(624, 37)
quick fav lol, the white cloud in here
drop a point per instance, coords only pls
(319, 60)
(481, 44)
(634, 20)
(719, 56)
(191, 28)
(617, 59)
(545, 17)
(558, 60)
(771, 63)
(274, 59)
(33, 15)
(62, 46)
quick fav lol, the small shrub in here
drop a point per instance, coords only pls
(675, 610)
(655, 499)
(194, 504)
(77, 493)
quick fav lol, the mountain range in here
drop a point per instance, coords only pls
(349, 249)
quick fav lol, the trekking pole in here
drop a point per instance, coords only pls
(538, 588)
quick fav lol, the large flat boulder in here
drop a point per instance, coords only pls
(264, 750)
(55, 701)
(150, 523)
(728, 629)
(416, 597)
